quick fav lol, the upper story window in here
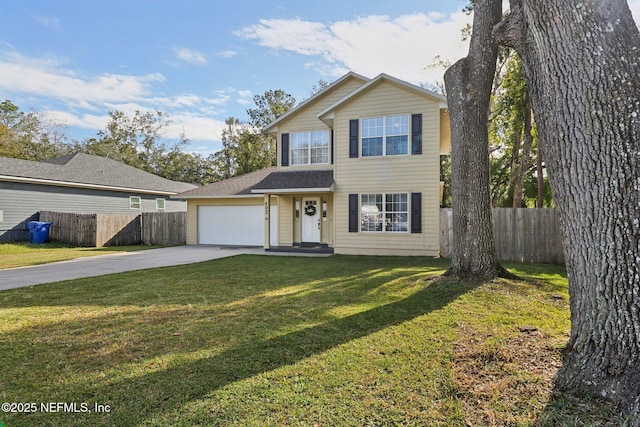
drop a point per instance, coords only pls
(310, 148)
(385, 136)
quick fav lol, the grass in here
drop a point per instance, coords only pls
(24, 254)
(261, 340)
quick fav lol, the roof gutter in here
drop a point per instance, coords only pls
(204, 196)
(82, 185)
(292, 190)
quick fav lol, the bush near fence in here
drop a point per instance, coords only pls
(523, 235)
(97, 230)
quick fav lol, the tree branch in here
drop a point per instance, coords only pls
(508, 32)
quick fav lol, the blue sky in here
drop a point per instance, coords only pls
(203, 61)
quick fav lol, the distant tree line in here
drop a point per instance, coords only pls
(137, 140)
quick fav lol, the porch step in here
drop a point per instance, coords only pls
(303, 248)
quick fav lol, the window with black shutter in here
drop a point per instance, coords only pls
(416, 212)
(285, 150)
(353, 138)
(416, 134)
(354, 215)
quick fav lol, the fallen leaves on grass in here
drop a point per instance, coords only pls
(504, 380)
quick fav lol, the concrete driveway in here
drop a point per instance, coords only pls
(116, 263)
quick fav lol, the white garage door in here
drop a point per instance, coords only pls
(235, 225)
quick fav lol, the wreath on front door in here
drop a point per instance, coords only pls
(310, 210)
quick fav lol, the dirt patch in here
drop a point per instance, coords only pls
(504, 381)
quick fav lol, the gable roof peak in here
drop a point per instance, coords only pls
(348, 76)
(375, 81)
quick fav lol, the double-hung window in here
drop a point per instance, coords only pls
(384, 212)
(385, 136)
(310, 148)
(135, 202)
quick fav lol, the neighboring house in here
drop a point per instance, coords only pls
(358, 171)
(78, 183)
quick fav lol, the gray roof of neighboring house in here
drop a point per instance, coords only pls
(296, 180)
(237, 186)
(85, 170)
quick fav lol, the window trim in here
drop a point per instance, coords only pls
(384, 136)
(309, 148)
(384, 212)
(164, 205)
(132, 203)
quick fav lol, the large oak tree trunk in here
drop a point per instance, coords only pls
(468, 83)
(581, 62)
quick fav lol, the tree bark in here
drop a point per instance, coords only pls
(581, 61)
(468, 84)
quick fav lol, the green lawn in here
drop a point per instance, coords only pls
(25, 254)
(266, 340)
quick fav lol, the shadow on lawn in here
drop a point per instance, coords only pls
(173, 388)
(153, 395)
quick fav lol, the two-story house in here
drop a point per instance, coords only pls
(358, 171)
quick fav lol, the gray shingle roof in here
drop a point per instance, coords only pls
(291, 180)
(236, 186)
(254, 183)
(87, 170)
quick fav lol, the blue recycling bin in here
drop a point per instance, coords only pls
(39, 231)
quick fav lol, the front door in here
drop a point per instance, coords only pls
(311, 220)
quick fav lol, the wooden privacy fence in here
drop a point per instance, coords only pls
(164, 228)
(97, 230)
(524, 235)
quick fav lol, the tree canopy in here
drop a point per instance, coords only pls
(29, 136)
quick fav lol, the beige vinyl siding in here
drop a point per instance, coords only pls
(306, 120)
(286, 221)
(192, 211)
(327, 226)
(388, 174)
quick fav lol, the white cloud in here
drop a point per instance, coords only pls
(227, 53)
(48, 78)
(190, 56)
(195, 127)
(83, 121)
(51, 22)
(245, 97)
(369, 45)
(78, 96)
